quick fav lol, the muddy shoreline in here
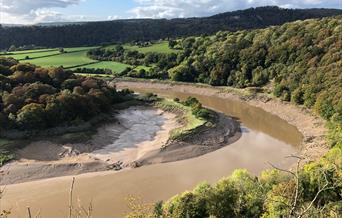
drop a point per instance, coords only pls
(46, 159)
(206, 139)
(312, 127)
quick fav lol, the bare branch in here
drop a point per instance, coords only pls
(283, 170)
(324, 188)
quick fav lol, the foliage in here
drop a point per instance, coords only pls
(187, 117)
(37, 98)
(151, 64)
(93, 71)
(301, 60)
(96, 33)
(270, 195)
(157, 47)
(5, 153)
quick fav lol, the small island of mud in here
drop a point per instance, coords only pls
(136, 136)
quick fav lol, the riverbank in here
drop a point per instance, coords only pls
(266, 139)
(312, 127)
(110, 146)
(136, 136)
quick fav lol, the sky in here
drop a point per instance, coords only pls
(38, 11)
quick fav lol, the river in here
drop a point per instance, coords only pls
(266, 139)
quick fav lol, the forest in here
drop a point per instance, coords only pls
(34, 98)
(95, 33)
(300, 61)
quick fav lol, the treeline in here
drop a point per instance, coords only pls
(33, 98)
(301, 60)
(95, 33)
(95, 71)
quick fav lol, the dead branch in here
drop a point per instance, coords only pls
(324, 188)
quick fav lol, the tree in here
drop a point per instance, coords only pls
(12, 48)
(172, 43)
(223, 201)
(31, 116)
(298, 96)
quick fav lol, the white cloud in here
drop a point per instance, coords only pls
(27, 6)
(114, 17)
(191, 8)
(33, 11)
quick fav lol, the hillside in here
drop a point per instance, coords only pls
(95, 33)
(299, 61)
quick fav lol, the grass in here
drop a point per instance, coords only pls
(5, 154)
(67, 60)
(146, 68)
(190, 121)
(115, 67)
(79, 49)
(30, 51)
(162, 47)
(77, 57)
(33, 55)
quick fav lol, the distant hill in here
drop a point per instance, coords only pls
(94, 33)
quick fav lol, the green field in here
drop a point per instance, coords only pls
(67, 60)
(162, 47)
(77, 57)
(33, 55)
(30, 51)
(115, 67)
(143, 67)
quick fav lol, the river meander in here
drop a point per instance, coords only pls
(266, 139)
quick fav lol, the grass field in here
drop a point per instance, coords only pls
(116, 67)
(77, 57)
(30, 51)
(33, 55)
(67, 60)
(162, 47)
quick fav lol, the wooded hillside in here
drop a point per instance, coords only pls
(95, 33)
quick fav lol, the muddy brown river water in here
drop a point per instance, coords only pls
(266, 139)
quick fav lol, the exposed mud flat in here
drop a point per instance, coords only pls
(140, 136)
(207, 139)
(312, 127)
(137, 131)
(265, 138)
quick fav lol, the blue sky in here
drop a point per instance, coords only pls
(35, 11)
(102, 8)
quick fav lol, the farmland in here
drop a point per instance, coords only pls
(73, 58)
(111, 65)
(162, 47)
(67, 60)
